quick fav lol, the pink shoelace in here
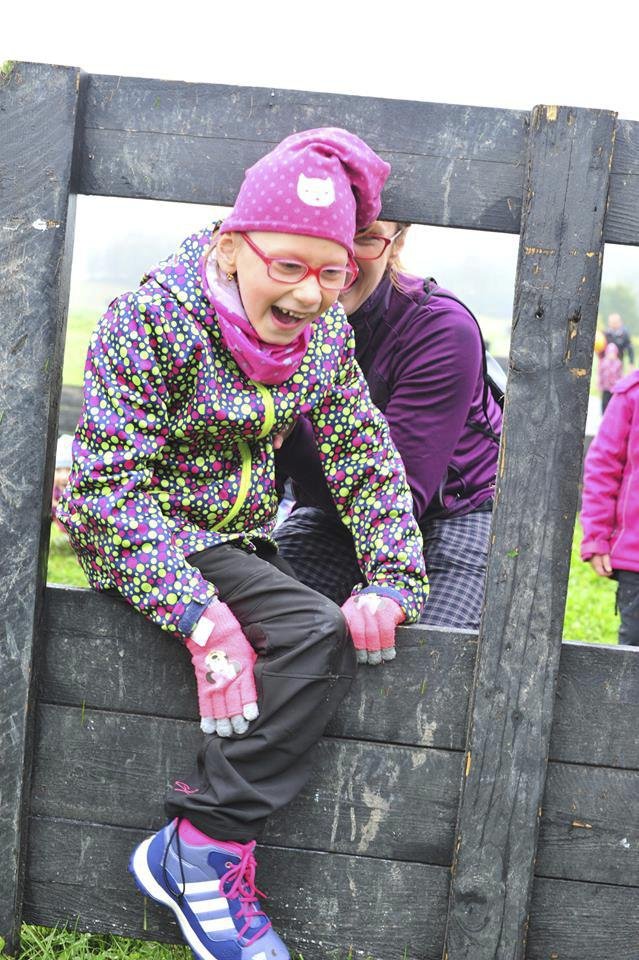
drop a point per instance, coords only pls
(241, 876)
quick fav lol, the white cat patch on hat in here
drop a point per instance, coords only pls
(315, 191)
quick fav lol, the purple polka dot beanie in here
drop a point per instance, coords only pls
(319, 183)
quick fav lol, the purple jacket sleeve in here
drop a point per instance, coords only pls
(436, 370)
(603, 472)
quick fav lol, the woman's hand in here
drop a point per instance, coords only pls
(372, 620)
(600, 563)
(223, 661)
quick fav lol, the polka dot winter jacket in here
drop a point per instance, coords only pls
(173, 452)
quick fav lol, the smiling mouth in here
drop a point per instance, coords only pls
(288, 317)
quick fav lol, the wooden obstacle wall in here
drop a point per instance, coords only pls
(477, 799)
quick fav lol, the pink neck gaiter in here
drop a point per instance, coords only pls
(267, 363)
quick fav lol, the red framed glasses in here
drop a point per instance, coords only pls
(370, 246)
(285, 270)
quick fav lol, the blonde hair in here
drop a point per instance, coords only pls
(395, 265)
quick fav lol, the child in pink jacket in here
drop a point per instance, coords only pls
(610, 505)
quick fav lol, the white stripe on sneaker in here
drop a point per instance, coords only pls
(201, 886)
(208, 906)
(220, 923)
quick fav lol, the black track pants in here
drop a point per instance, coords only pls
(305, 665)
(628, 606)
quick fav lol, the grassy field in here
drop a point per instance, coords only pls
(42, 943)
(80, 326)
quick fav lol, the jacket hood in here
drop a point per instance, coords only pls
(627, 383)
(182, 268)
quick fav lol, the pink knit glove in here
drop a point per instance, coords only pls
(223, 661)
(372, 620)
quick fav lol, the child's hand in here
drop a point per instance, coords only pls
(283, 435)
(372, 620)
(223, 661)
(600, 563)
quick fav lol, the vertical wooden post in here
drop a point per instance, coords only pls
(557, 290)
(38, 107)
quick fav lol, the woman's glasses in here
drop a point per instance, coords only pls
(370, 246)
(285, 270)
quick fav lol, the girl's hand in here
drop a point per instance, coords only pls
(223, 660)
(280, 437)
(600, 563)
(372, 620)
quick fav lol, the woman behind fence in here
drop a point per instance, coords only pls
(422, 355)
(172, 501)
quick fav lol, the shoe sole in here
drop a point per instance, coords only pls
(148, 885)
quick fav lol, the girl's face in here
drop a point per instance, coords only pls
(278, 312)
(371, 271)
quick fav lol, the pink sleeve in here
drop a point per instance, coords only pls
(603, 472)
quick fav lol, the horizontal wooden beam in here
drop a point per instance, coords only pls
(420, 699)
(364, 799)
(458, 166)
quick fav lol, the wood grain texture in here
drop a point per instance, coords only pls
(589, 826)
(622, 218)
(452, 165)
(596, 715)
(101, 652)
(37, 118)
(366, 799)
(320, 905)
(555, 313)
(583, 921)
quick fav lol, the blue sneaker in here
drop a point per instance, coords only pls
(211, 890)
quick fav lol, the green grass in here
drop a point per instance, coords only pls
(42, 943)
(80, 326)
(60, 943)
(590, 603)
(63, 566)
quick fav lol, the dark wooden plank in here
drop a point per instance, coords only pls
(372, 800)
(596, 715)
(452, 165)
(419, 699)
(37, 117)
(590, 825)
(583, 921)
(558, 279)
(320, 905)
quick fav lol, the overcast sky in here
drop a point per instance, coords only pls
(499, 54)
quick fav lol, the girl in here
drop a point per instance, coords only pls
(610, 502)
(172, 502)
(422, 355)
(609, 372)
